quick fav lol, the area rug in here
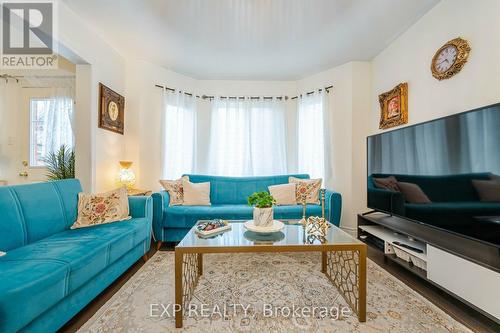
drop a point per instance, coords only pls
(268, 289)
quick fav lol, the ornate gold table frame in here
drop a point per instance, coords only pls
(343, 264)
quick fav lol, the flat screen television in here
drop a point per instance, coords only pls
(444, 173)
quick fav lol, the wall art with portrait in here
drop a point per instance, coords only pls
(394, 106)
(111, 110)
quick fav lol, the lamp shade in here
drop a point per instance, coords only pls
(126, 176)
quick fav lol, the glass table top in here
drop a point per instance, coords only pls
(292, 234)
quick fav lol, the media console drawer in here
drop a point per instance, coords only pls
(476, 284)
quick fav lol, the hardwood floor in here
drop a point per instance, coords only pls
(461, 312)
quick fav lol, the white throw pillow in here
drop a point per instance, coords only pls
(284, 194)
(196, 194)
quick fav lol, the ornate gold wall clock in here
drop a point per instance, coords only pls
(450, 58)
(111, 110)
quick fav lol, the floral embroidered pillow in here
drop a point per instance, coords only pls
(175, 190)
(95, 209)
(306, 188)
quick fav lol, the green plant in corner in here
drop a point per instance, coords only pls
(60, 164)
(261, 200)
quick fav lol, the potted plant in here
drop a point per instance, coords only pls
(263, 208)
(60, 164)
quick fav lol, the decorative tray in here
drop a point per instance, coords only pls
(207, 228)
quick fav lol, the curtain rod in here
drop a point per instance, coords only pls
(38, 76)
(243, 97)
(7, 77)
(312, 92)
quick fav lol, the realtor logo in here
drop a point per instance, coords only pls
(28, 35)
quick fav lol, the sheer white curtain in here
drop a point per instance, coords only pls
(268, 136)
(56, 111)
(313, 135)
(59, 119)
(179, 127)
(247, 137)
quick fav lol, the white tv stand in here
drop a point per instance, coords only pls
(459, 272)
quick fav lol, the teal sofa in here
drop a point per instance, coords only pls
(50, 272)
(228, 197)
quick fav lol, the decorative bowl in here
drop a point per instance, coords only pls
(275, 227)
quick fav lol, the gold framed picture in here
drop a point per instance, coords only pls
(111, 110)
(394, 106)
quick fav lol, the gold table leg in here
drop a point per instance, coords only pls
(346, 269)
(188, 269)
(362, 285)
(324, 261)
(178, 289)
(200, 264)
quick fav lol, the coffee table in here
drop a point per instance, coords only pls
(343, 259)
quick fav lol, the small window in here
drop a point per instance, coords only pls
(50, 127)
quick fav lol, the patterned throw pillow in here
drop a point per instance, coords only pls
(308, 188)
(95, 209)
(175, 190)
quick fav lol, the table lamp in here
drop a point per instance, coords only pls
(126, 176)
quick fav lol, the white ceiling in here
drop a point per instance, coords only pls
(250, 39)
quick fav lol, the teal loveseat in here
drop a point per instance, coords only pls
(50, 272)
(228, 197)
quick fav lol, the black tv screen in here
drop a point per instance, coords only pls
(444, 173)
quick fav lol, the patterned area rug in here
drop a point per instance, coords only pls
(266, 285)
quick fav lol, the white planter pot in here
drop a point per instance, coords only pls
(263, 217)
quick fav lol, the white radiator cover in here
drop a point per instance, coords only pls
(476, 284)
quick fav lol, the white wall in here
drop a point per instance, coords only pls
(144, 105)
(408, 59)
(349, 103)
(361, 87)
(82, 45)
(143, 121)
(84, 154)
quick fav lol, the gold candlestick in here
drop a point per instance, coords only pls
(322, 192)
(303, 220)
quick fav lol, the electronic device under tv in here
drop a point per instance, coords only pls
(454, 160)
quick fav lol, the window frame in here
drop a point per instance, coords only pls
(31, 165)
